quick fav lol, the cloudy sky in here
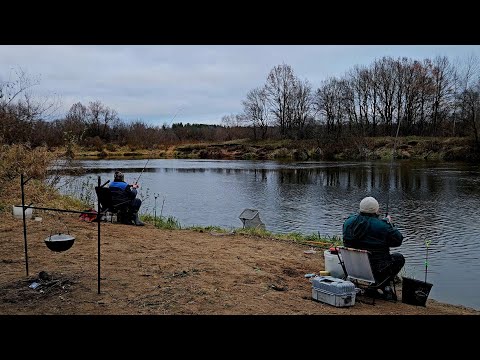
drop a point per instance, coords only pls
(187, 83)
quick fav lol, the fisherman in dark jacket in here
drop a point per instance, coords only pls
(367, 231)
(123, 193)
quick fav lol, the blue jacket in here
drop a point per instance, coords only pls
(369, 232)
(122, 193)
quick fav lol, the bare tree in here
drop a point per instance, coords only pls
(20, 108)
(442, 78)
(95, 110)
(75, 123)
(416, 84)
(11, 89)
(400, 69)
(327, 104)
(256, 111)
(470, 96)
(109, 116)
(372, 94)
(302, 107)
(99, 118)
(360, 81)
(347, 103)
(232, 120)
(280, 94)
(455, 87)
(386, 88)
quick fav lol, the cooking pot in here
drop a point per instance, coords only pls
(59, 242)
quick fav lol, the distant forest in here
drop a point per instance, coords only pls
(433, 97)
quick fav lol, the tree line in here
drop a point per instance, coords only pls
(26, 119)
(432, 97)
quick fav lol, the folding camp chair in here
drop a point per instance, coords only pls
(104, 196)
(357, 268)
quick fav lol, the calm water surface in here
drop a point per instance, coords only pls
(436, 202)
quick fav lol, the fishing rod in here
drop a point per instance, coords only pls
(174, 116)
(427, 243)
(391, 165)
(155, 210)
(136, 182)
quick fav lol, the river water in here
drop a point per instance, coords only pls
(434, 202)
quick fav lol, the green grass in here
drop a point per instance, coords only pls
(314, 240)
(162, 222)
(207, 229)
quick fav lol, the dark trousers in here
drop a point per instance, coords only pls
(135, 205)
(128, 212)
(392, 269)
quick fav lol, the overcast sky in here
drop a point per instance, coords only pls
(183, 83)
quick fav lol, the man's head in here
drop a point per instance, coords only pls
(369, 205)
(118, 176)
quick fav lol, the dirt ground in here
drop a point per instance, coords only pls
(149, 271)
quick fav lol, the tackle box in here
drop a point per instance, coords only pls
(333, 291)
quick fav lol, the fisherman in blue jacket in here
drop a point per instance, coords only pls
(367, 231)
(124, 193)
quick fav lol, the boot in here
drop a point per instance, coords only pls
(388, 294)
(137, 221)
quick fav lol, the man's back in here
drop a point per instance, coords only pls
(368, 232)
(371, 232)
(121, 192)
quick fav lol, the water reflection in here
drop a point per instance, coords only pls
(428, 201)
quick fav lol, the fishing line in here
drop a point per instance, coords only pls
(136, 182)
(174, 116)
(391, 165)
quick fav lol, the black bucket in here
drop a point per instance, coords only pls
(415, 292)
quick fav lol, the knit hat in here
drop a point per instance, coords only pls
(369, 205)
(118, 176)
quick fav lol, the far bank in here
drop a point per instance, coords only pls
(351, 148)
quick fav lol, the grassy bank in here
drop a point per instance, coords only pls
(351, 148)
(314, 240)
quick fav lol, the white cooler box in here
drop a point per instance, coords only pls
(333, 291)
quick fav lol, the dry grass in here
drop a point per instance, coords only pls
(20, 159)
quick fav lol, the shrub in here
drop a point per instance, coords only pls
(111, 147)
(18, 159)
(282, 153)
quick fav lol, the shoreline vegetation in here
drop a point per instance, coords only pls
(354, 149)
(312, 240)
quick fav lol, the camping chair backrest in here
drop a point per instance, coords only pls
(357, 264)
(104, 197)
